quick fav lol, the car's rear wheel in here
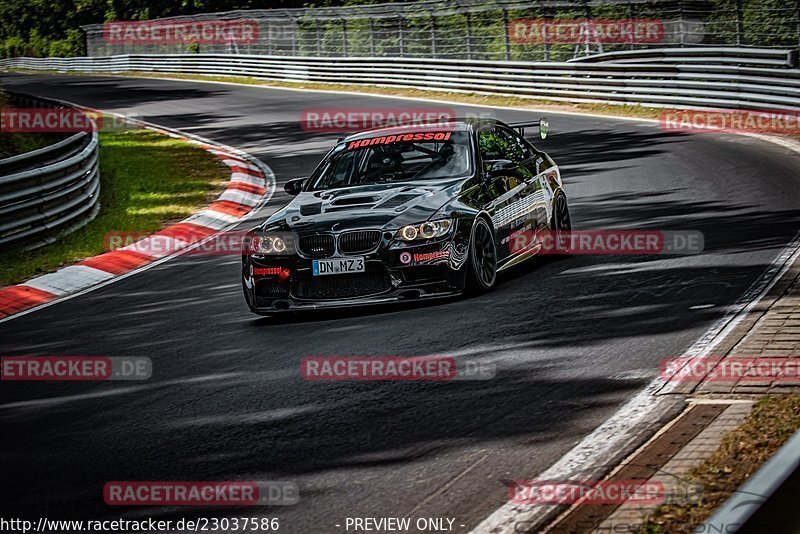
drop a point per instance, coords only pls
(482, 261)
(561, 224)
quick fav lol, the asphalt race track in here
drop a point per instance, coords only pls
(573, 338)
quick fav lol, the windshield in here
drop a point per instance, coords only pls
(426, 155)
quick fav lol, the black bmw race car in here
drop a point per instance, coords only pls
(407, 212)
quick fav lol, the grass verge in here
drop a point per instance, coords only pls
(740, 454)
(147, 181)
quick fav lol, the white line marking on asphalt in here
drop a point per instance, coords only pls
(603, 446)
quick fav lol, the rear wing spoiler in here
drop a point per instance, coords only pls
(543, 124)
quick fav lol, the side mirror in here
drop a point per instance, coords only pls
(544, 127)
(294, 187)
(501, 167)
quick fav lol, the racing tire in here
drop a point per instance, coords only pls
(247, 298)
(482, 260)
(561, 223)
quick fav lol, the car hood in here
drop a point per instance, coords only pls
(384, 206)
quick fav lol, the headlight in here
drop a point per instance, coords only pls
(267, 245)
(426, 230)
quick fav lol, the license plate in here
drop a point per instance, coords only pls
(338, 266)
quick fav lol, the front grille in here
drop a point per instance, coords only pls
(359, 242)
(317, 246)
(342, 286)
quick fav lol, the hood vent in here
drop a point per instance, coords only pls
(395, 201)
(310, 209)
(354, 201)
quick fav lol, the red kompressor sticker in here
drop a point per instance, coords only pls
(431, 256)
(400, 138)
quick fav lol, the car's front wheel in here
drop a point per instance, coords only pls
(482, 260)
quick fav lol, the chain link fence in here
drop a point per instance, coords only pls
(523, 30)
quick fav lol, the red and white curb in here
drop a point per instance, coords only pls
(251, 185)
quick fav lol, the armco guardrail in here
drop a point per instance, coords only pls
(710, 83)
(749, 57)
(49, 191)
(764, 502)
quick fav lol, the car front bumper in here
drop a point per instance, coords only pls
(275, 284)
